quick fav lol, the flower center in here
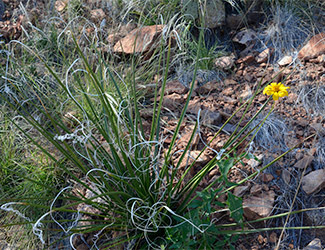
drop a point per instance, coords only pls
(276, 88)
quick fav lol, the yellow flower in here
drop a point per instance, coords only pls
(276, 90)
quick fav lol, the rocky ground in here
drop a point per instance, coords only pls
(289, 124)
(236, 78)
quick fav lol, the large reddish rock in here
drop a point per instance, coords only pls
(123, 30)
(314, 48)
(116, 36)
(139, 40)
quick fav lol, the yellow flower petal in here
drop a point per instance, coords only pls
(267, 90)
(283, 93)
(276, 90)
(275, 96)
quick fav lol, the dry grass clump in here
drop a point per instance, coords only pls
(272, 134)
(312, 98)
(285, 31)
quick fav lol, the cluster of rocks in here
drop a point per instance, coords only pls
(313, 51)
(10, 25)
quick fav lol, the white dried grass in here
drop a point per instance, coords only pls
(284, 31)
(272, 133)
(312, 98)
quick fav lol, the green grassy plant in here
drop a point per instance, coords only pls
(139, 197)
(137, 191)
(23, 176)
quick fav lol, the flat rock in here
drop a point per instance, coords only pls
(253, 163)
(304, 162)
(194, 106)
(246, 59)
(314, 47)
(175, 87)
(210, 117)
(190, 158)
(245, 37)
(228, 91)
(314, 181)
(265, 55)
(97, 15)
(139, 40)
(173, 101)
(256, 189)
(206, 88)
(286, 60)
(265, 177)
(315, 244)
(273, 238)
(247, 93)
(240, 190)
(203, 159)
(225, 62)
(185, 137)
(230, 128)
(259, 206)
